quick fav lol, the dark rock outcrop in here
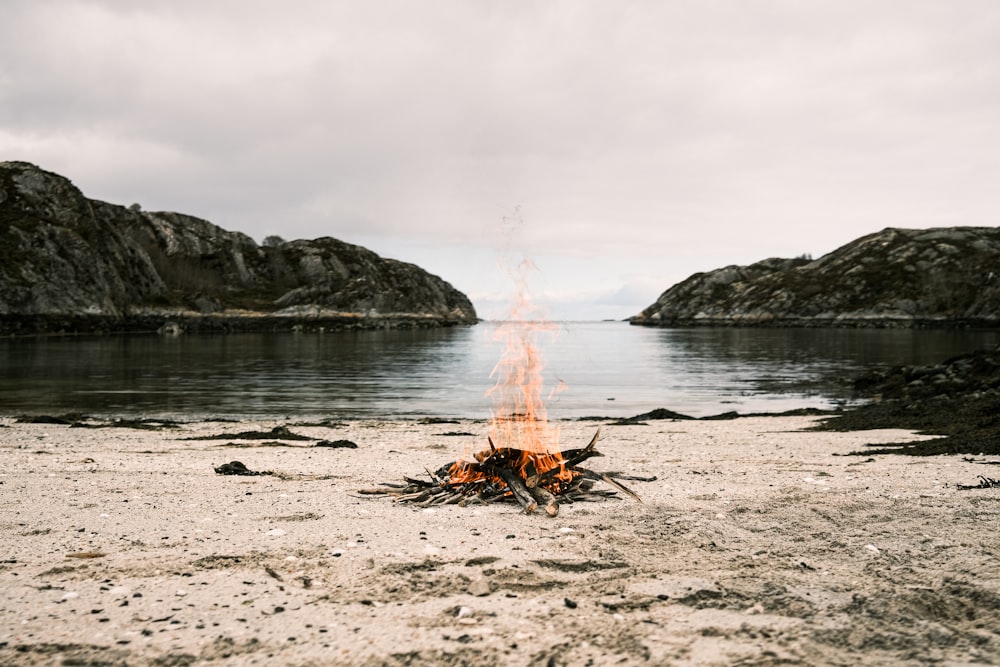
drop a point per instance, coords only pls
(68, 263)
(958, 398)
(896, 278)
(971, 375)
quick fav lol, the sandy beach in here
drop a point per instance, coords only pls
(759, 543)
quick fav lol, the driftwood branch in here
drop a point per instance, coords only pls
(604, 478)
(543, 497)
(572, 457)
(576, 456)
(520, 491)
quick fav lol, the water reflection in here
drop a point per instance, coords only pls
(609, 369)
(776, 369)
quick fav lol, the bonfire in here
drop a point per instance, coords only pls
(522, 460)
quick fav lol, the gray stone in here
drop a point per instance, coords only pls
(480, 586)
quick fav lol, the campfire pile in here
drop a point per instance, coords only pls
(528, 465)
(531, 478)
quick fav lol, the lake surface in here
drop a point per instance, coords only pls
(606, 369)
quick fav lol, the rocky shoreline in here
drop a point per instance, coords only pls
(839, 322)
(215, 323)
(958, 399)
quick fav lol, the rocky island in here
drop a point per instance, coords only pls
(76, 265)
(893, 278)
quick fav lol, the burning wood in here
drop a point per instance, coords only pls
(532, 479)
(528, 466)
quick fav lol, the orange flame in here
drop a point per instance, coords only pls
(519, 429)
(519, 416)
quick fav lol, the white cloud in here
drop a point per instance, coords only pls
(638, 137)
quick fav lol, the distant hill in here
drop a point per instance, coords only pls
(894, 278)
(68, 263)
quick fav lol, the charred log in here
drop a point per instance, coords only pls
(543, 497)
(517, 487)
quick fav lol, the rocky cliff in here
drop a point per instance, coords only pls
(894, 278)
(68, 263)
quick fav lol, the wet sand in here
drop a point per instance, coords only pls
(760, 543)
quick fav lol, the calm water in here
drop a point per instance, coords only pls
(609, 369)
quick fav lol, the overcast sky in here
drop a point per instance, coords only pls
(619, 145)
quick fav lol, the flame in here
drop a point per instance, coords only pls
(519, 416)
(520, 435)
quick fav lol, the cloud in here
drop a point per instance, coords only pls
(637, 137)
